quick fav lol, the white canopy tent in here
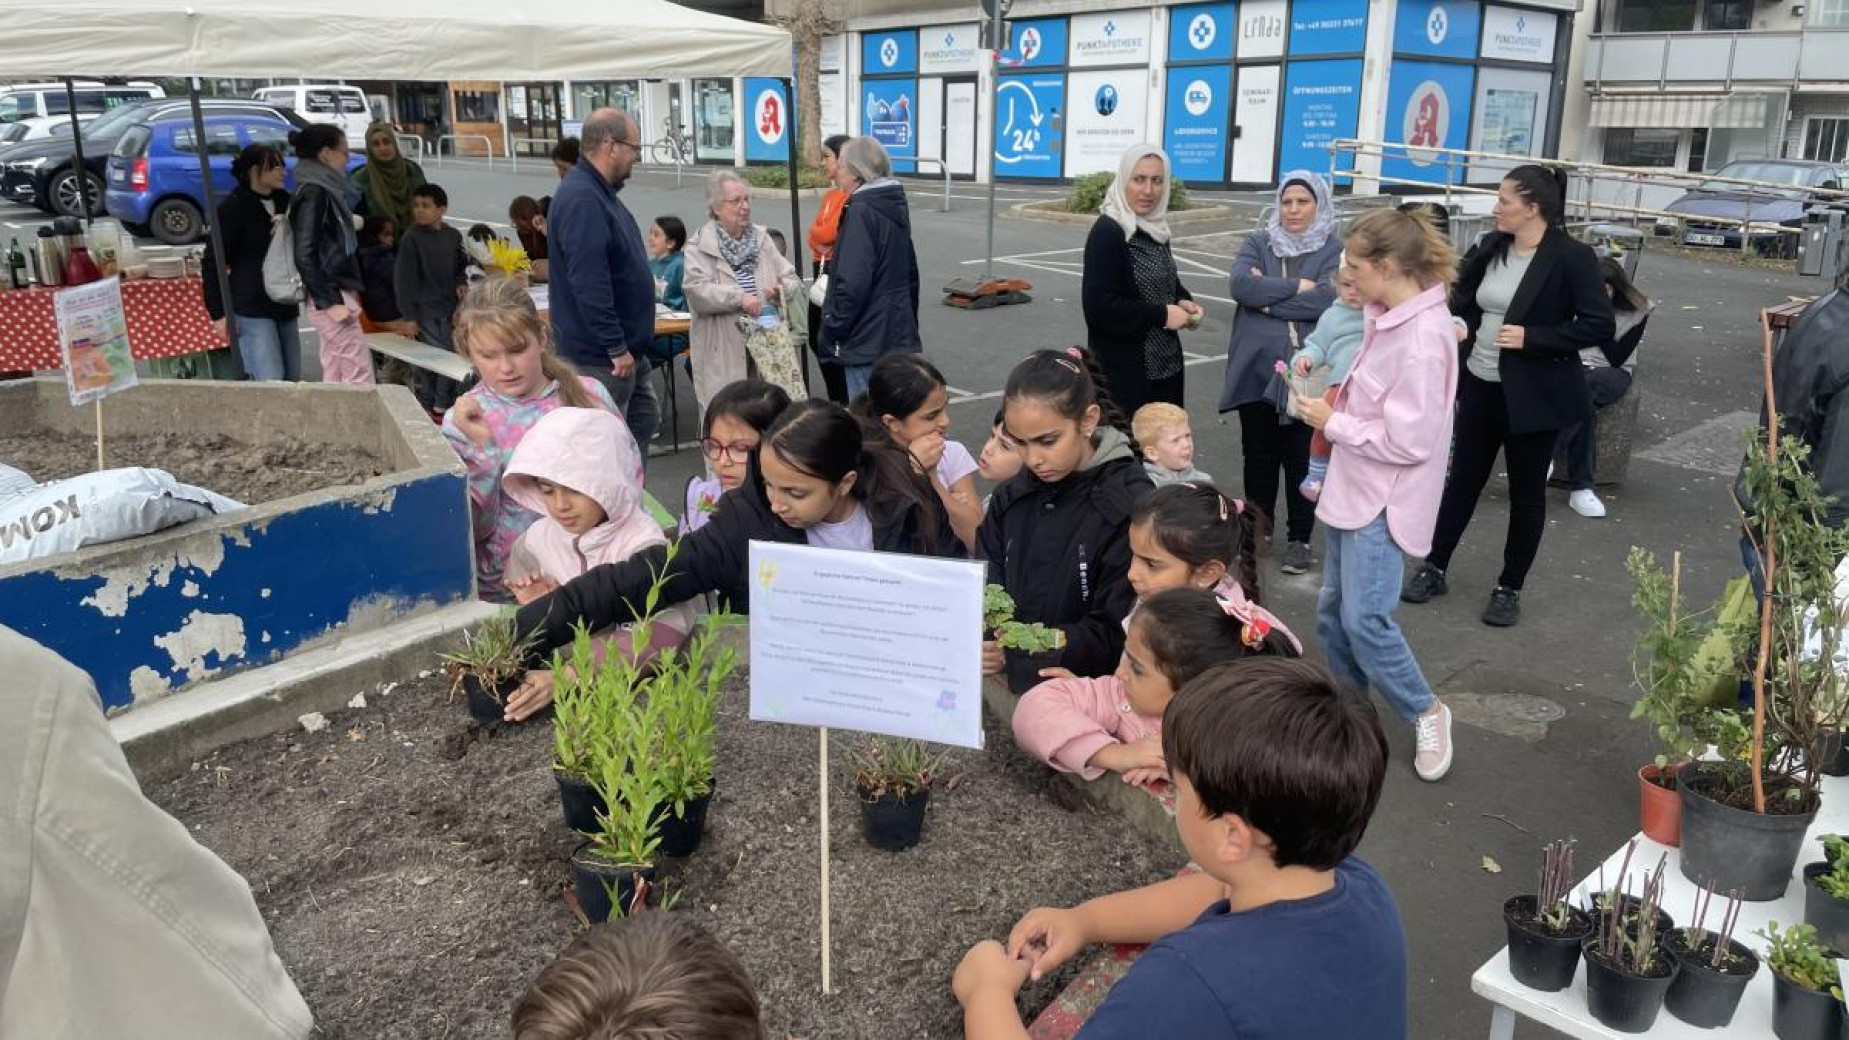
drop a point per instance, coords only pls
(383, 39)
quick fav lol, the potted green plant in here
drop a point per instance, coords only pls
(1686, 667)
(1803, 974)
(1826, 894)
(1545, 931)
(1031, 646)
(576, 695)
(622, 850)
(1627, 970)
(686, 682)
(1714, 968)
(489, 666)
(893, 777)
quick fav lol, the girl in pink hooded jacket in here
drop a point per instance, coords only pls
(577, 467)
(1182, 536)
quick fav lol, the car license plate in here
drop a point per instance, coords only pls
(1699, 238)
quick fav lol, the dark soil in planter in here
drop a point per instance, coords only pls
(1703, 995)
(414, 878)
(250, 473)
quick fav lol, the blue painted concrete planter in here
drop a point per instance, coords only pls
(149, 616)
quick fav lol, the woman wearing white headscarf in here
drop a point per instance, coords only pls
(1283, 280)
(1135, 304)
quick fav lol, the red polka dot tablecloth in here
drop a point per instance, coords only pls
(166, 318)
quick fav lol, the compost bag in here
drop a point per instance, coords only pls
(38, 520)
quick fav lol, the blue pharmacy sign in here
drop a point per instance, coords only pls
(1195, 137)
(889, 115)
(1038, 43)
(1438, 28)
(1322, 101)
(1028, 125)
(889, 53)
(1428, 107)
(1328, 27)
(1202, 32)
(767, 120)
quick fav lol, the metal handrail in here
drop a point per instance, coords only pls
(941, 165)
(487, 147)
(513, 153)
(413, 139)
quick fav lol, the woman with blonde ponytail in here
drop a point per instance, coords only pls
(521, 379)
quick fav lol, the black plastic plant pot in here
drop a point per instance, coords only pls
(580, 801)
(1702, 995)
(1735, 848)
(681, 835)
(1828, 913)
(594, 879)
(1803, 1014)
(894, 822)
(1628, 908)
(1538, 958)
(1833, 753)
(1625, 1003)
(1023, 669)
(483, 707)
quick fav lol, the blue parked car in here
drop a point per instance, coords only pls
(154, 186)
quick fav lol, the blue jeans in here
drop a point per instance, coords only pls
(271, 348)
(1362, 572)
(857, 377)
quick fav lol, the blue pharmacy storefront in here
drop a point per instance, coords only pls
(1237, 93)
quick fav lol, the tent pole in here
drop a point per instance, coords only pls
(796, 206)
(82, 171)
(213, 232)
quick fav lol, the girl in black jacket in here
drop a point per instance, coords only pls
(267, 340)
(1057, 535)
(813, 478)
(1532, 299)
(326, 250)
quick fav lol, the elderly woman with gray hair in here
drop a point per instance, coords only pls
(734, 278)
(872, 302)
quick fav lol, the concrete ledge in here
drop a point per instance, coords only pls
(1054, 211)
(1136, 806)
(164, 737)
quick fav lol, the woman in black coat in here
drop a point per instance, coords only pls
(1135, 304)
(872, 302)
(855, 492)
(266, 330)
(1531, 299)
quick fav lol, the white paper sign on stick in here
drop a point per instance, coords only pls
(876, 642)
(93, 338)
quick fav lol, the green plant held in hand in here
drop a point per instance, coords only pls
(493, 653)
(997, 607)
(1796, 954)
(1028, 638)
(1835, 881)
(897, 766)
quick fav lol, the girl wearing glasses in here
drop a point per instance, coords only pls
(735, 422)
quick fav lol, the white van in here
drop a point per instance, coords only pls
(34, 100)
(335, 103)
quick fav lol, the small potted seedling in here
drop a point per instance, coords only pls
(489, 666)
(1803, 974)
(686, 684)
(1629, 907)
(575, 699)
(1545, 931)
(894, 777)
(1714, 967)
(622, 851)
(1627, 971)
(1826, 894)
(1031, 646)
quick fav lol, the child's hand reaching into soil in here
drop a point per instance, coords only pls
(532, 696)
(1047, 938)
(530, 587)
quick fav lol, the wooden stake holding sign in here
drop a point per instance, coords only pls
(93, 340)
(876, 642)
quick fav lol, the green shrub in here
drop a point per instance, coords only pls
(1088, 193)
(779, 177)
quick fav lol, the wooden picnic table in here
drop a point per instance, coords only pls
(1781, 315)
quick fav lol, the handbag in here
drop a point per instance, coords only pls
(818, 289)
(775, 355)
(281, 281)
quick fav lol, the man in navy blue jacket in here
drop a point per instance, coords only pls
(602, 293)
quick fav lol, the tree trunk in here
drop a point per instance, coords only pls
(809, 21)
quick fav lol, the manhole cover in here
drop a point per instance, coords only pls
(1524, 707)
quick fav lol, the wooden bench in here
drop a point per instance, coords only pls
(446, 363)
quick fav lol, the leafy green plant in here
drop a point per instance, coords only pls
(630, 782)
(493, 653)
(1796, 954)
(1027, 637)
(895, 766)
(1835, 882)
(1686, 664)
(1088, 193)
(574, 705)
(686, 683)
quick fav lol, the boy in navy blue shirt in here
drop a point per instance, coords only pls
(1285, 936)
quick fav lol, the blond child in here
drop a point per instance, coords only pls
(1167, 440)
(1332, 346)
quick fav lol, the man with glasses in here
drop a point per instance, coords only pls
(602, 292)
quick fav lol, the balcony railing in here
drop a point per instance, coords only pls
(1726, 58)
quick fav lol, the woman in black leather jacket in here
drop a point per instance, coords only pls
(326, 249)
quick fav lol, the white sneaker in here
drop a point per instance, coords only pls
(1432, 756)
(1586, 503)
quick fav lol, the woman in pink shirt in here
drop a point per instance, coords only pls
(1388, 432)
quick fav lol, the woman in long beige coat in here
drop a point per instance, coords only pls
(734, 271)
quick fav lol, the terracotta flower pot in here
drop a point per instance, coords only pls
(1659, 808)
